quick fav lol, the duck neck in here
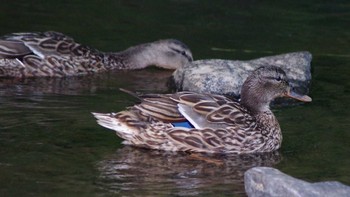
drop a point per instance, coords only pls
(257, 101)
(136, 57)
(265, 118)
(254, 100)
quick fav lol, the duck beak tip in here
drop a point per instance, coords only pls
(304, 98)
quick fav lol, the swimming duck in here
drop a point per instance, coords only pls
(193, 122)
(53, 54)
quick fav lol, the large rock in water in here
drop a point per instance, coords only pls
(265, 181)
(227, 76)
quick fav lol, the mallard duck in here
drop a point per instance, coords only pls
(53, 54)
(193, 122)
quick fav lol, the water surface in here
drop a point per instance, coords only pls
(50, 144)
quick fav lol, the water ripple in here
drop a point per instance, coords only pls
(150, 172)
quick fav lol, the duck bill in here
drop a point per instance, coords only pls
(294, 95)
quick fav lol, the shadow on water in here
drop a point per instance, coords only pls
(154, 173)
(43, 101)
(152, 79)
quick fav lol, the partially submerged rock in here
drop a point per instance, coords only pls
(227, 76)
(266, 181)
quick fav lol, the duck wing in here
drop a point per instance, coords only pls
(46, 54)
(13, 49)
(201, 110)
(38, 43)
(160, 107)
(213, 111)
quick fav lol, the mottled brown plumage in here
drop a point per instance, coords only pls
(220, 125)
(53, 54)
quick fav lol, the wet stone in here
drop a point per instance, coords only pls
(227, 76)
(266, 181)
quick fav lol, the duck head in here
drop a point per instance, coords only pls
(168, 54)
(264, 85)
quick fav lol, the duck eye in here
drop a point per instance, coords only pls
(279, 78)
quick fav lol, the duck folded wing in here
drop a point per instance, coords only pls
(212, 111)
(39, 43)
(13, 49)
(200, 110)
(159, 107)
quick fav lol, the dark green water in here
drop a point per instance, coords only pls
(50, 145)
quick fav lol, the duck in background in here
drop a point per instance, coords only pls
(53, 54)
(194, 122)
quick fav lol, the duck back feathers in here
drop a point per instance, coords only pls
(53, 54)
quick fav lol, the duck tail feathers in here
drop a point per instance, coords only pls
(111, 121)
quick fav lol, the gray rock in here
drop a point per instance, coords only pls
(227, 76)
(266, 181)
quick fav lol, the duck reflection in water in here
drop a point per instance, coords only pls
(153, 172)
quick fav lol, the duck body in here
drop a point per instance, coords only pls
(224, 125)
(219, 124)
(53, 54)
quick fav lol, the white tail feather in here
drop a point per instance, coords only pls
(109, 121)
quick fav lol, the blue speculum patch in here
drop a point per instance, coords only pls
(183, 124)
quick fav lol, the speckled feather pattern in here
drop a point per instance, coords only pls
(53, 54)
(236, 130)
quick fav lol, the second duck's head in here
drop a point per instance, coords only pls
(169, 54)
(264, 85)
